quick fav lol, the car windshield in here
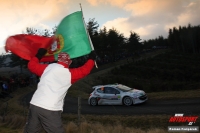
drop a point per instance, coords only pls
(124, 88)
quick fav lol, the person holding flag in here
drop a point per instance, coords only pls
(70, 41)
(47, 102)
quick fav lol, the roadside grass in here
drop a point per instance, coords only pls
(174, 94)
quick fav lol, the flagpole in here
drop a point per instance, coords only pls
(88, 35)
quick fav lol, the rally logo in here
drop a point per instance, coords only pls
(179, 118)
(57, 46)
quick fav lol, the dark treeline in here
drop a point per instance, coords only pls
(185, 39)
(111, 45)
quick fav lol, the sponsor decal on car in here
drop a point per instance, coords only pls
(111, 97)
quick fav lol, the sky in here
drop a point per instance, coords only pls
(148, 18)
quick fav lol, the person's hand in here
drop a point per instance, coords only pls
(41, 52)
(92, 55)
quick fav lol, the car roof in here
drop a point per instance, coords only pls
(108, 85)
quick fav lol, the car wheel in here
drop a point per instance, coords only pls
(93, 101)
(127, 101)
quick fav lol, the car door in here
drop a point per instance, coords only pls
(111, 95)
(100, 95)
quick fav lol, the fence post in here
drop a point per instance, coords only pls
(79, 110)
(24, 107)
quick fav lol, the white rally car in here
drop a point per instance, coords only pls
(116, 94)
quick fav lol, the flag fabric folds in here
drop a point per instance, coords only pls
(71, 37)
(75, 37)
(26, 46)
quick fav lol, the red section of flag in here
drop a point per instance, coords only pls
(48, 58)
(26, 46)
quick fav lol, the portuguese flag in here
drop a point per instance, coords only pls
(71, 37)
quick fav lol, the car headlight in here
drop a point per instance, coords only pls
(142, 93)
(135, 96)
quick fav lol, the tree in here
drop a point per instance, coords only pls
(92, 27)
(2, 59)
(170, 38)
(45, 32)
(17, 61)
(134, 45)
(101, 44)
(103, 39)
(115, 42)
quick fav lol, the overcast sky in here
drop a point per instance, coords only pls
(148, 18)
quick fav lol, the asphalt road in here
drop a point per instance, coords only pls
(151, 107)
(186, 106)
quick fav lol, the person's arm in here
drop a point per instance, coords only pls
(34, 65)
(78, 73)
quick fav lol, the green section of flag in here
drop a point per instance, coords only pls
(76, 40)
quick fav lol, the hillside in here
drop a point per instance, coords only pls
(158, 71)
(84, 86)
